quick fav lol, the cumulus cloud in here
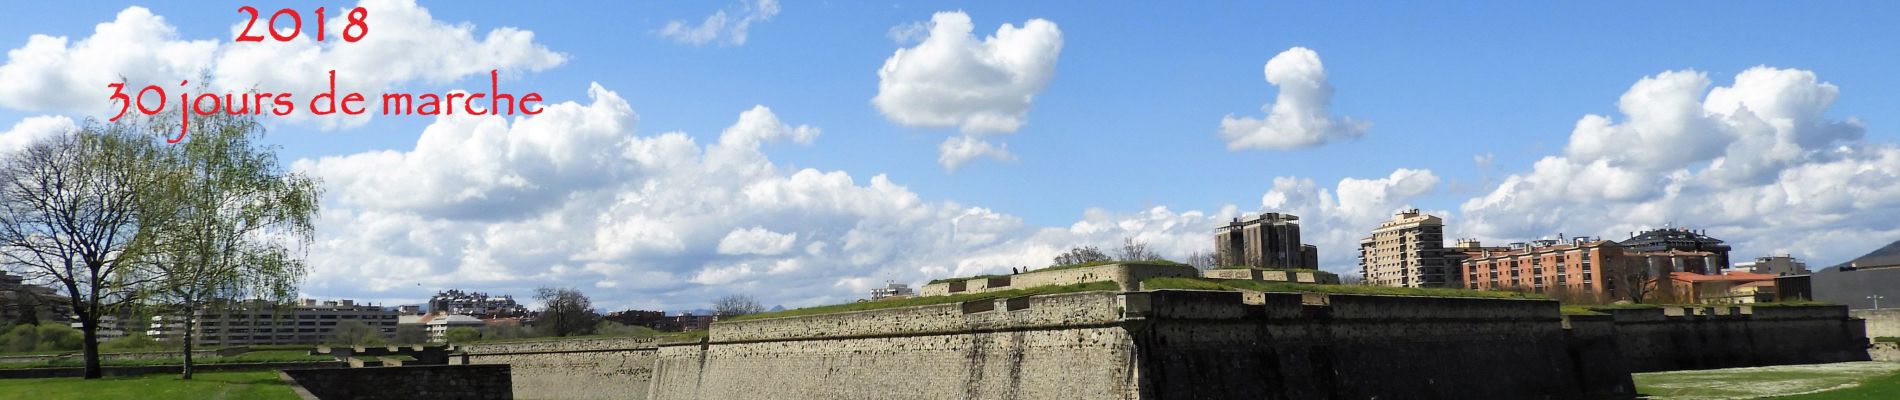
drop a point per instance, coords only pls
(756, 240)
(719, 25)
(54, 74)
(578, 195)
(958, 151)
(1300, 116)
(1757, 162)
(953, 79)
(33, 129)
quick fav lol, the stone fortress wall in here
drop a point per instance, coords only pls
(1672, 338)
(1129, 275)
(1203, 344)
(609, 368)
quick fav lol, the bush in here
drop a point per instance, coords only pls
(134, 342)
(463, 335)
(41, 337)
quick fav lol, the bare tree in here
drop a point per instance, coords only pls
(736, 305)
(1202, 260)
(565, 312)
(71, 213)
(1081, 255)
(1136, 250)
(1632, 281)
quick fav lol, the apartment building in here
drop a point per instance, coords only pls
(1681, 240)
(1581, 265)
(263, 323)
(1409, 251)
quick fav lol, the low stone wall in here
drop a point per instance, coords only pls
(612, 368)
(1669, 339)
(408, 382)
(1129, 275)
(37, 373)
(1885, 322)
(1270, 275)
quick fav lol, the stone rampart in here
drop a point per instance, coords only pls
(1669, 339)
(1143, 345)
(1129, 275)
(459, 382)
(607, 368)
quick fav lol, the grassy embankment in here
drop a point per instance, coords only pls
(247, 385)
(930, 300)
(1855, 380)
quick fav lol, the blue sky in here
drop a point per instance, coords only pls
(1130, 118)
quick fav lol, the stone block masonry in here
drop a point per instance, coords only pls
(1142, 345)
(1669, 339)
(461, 382)
(610, 368)
(1880, 322)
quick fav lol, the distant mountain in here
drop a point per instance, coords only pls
(1890, 250)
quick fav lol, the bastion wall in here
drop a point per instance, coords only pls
(609, 368)
(1669, 339)
(1145, 345)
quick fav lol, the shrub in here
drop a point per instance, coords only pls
(463, 335)
(134, 342)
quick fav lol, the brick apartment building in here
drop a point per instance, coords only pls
(1583, 265)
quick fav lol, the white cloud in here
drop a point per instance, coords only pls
(406, 45)
(575, 195)
(718, 24)
(53, 73)
(952, 79)
(957, 151)
(33, 129)
(1757, 163)
(756, 240)
(1300, 116)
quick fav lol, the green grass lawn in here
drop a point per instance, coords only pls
(249, 357)
(210, 385)
(1855, 380)
(1878, 388)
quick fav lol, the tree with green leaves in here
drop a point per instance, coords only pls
(73, 213)
(233, 221)
(352, 332)
(411, 335)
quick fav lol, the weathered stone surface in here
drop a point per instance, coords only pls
(616, 368)
(469, 382)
